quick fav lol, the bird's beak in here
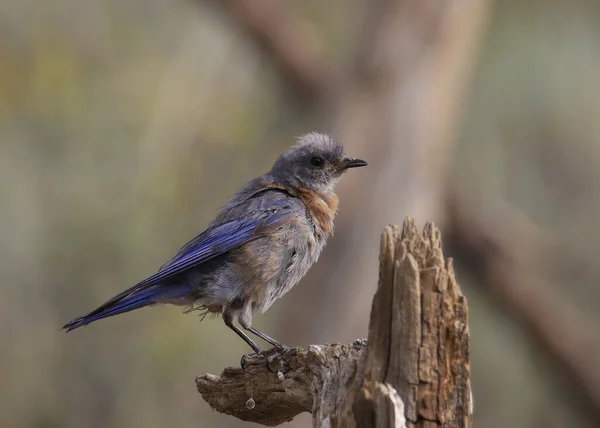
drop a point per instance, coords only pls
(353, 163)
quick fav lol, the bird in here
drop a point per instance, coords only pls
(259, 245)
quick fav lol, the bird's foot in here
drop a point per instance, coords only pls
(274, 363)
(246, 357)
(281, 348)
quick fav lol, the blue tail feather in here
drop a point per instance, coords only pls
(128, 303)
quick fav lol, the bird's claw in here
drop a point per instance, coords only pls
(245, 358)
(282, 349)
(273, 357)
(270, 357)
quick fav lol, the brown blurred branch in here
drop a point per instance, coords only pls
(414, 371)
(283, 40)
(496, 254)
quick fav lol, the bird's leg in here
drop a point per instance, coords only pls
(245, 320)
(277, 344)
(244, 336)
(229, 323)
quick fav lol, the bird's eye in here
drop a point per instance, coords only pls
(316, 161)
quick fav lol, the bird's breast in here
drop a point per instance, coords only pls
(295, 251)
(322, 209)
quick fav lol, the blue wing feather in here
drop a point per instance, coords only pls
(214, 235)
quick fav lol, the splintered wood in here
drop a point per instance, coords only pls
(418, 333)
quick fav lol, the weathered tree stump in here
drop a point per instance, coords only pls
(412, 372)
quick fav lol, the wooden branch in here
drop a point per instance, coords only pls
(276, 387)
(283, 41)
(414, 371)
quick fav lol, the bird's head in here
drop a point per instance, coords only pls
(316, 162)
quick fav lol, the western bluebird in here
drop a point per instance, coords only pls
(261, 243)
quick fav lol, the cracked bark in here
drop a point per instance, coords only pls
(412, 372)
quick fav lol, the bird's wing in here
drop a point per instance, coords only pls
(264, 214)
(216, 241)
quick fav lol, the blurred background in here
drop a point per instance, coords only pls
(124, 124)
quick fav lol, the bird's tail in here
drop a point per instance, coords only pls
(128, 303)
